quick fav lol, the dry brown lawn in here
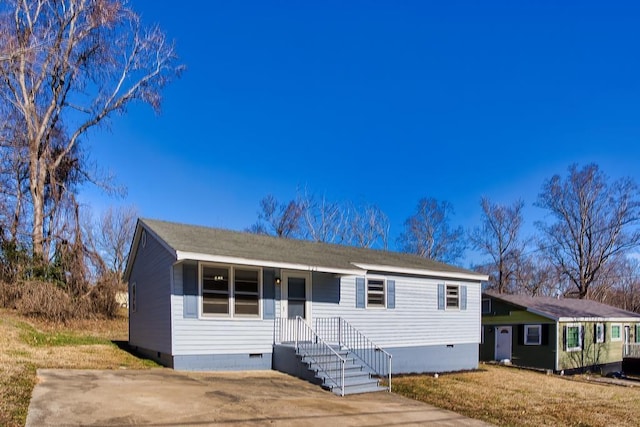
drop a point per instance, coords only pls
(27, 344)
(499, 395)
(513, 397)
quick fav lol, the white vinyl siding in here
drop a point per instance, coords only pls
(150, 313)
(415, 320)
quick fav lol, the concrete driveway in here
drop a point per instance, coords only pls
(163, 397)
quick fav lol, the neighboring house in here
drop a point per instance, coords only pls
(559, 334)
(212, 299)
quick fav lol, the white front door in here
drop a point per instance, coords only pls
(296, 295)
(503, 342)
(627, 334)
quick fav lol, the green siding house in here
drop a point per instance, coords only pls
(558, 334)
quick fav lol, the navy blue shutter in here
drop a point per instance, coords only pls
(360, 293)
(441, 296)
(391, 294)
(463, 297)
(190, 290)
(268, 295)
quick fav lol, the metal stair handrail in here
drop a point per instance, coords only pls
(347, 336)
(305, 331)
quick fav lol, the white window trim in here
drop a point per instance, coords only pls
(446, 305)
(579, 348)
(526, 334)
(482, 305)
(366, 292)
(603, 338)
(232, 299)
(619, 325)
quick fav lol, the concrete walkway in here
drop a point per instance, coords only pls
(163, 397)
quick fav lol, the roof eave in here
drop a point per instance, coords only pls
(185, 255)
(422, 272)
(599, 319)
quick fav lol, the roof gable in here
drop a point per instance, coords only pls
(565, 308)
(205, 243)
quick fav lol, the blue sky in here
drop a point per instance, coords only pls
(377, 102)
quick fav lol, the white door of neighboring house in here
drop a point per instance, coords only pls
(627, 334)
(503, 342)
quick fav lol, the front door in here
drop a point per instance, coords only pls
(503, 342)
(296, 295)
(627, 334)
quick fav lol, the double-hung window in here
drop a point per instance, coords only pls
(247, 292)
(376, 292)
(216, 290)
(616, 332)
(599, 333)
(230, 291)
(573, 338)
(532, 334)
(453, 296)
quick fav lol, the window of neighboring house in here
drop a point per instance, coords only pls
(573, 338)
(486, 306)
(638, 332)
(375, 292)
(143, 238)
(616, 332)
(133, 302)
(599, 333)
(230, 291)
(532, 334)
(453, 296)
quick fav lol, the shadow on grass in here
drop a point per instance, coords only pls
(124, 346)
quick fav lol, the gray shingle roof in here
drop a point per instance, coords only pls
(565, 307)
(220, 242)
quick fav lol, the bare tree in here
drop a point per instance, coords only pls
(67, 66)
(109, 238)
(536, 278)
(498, 238)
(368, 227)
(595, 220)
(278, 219)
(323, 221)
(428, 235)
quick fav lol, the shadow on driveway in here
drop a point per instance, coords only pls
(163, 397)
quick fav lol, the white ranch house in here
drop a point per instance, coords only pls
(211, 299)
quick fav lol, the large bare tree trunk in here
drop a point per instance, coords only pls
(67, 66)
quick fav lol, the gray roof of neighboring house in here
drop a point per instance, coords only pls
(225, 243)
(558, 308)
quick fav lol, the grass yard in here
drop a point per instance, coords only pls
(513, 397)
(27, 344)
(499, 395)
